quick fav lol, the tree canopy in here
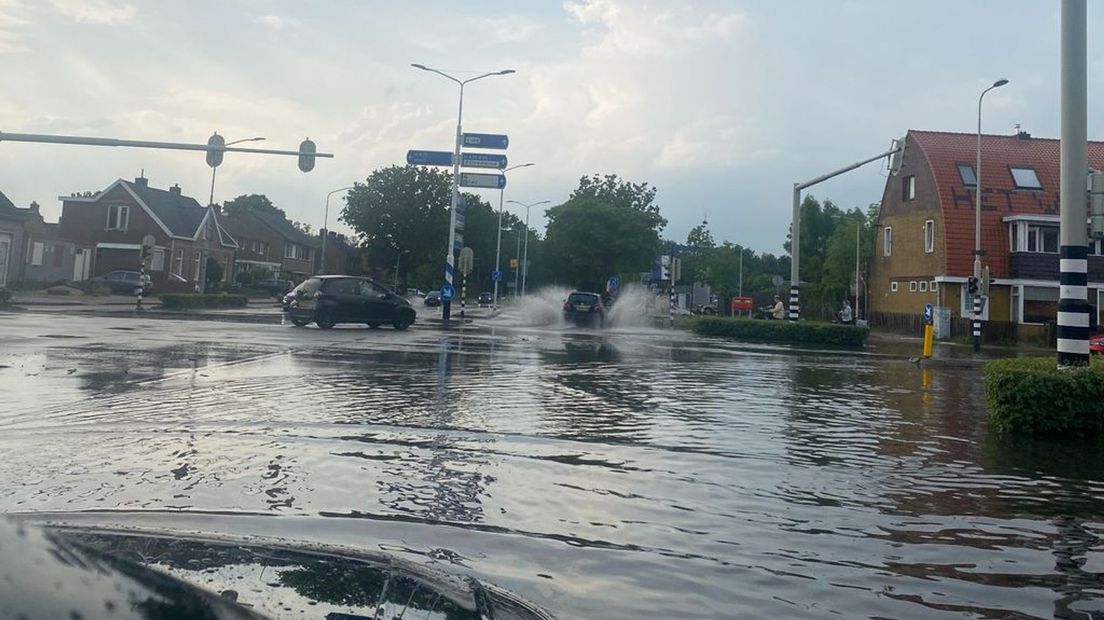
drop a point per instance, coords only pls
(257, 202)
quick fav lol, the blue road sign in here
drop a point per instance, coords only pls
(485, 141)
(447, 292)
(483, 160)
(429, 158)
(613, 284)
(487, 181)
(927, 313)
(496, 275)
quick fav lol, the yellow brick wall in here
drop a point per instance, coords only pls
(907, 263)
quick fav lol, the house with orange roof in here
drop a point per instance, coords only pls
(924, 252)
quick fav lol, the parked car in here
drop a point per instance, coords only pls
(329, 300)
(122, 282)
(274, 286)
(1096, 344)
(486, 299)
(584, 308)
(433, 298)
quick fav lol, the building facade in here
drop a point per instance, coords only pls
(924, 251)
(270, 244)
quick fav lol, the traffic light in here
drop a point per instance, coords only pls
(214, 155)
(146, 252)
(972, 285)
(985, 281)
(306, 155)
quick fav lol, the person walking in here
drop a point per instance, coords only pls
(845, 315)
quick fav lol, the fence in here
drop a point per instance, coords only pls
(961, 327)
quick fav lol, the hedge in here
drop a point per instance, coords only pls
(1031, 396)
(5, 296)
(801, 332)
(174, 301)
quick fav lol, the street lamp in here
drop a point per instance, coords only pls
(211, 200)
(525, 260)
(498, 245)
(326, 224)
(398, 259)
(450, 261)
(977, 218)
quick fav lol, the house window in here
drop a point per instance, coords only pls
(908, 188)
(966, 173)
(178, 268)
(923, 286)
(892, 287)
(912, 286)
(157, 262)
(117, 217)
(929, 236)
(36, 253)
(1025, 178)
(934, 286)
(1037, 238)
(887, 241)
(197, 258)
(296, 251)
(59, 255)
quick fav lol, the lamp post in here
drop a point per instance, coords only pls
(525, 260)
(214, 169)
(325, 227)
(977, 218)
(498, 244)
(450, 261)
(517, 272)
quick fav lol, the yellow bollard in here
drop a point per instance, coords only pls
(928, 336)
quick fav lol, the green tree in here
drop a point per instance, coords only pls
(245, 202)
(607, 226)
(696, 256)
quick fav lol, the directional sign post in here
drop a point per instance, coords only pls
(447, 292)
(486, 141)
(496, 275)
(429, 158)
(483, 160)
(486, 181)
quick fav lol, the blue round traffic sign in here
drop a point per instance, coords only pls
(447, 292)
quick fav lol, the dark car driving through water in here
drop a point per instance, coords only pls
(584, 308)
(329, 300)
(433, 299)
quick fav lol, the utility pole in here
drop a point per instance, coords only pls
(1073, 305)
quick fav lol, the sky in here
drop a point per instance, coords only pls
(720, 104)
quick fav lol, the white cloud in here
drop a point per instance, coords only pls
(507, 29)
(12, 21)
(104, 12)
(279, 25)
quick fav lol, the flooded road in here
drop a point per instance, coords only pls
(627, 473)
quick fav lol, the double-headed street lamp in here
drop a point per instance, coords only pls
(977, 218)
(498, 244)
(214, 169)
(525, 260)
(450, 261)
(325, 226)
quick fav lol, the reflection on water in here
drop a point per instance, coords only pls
(610, 473)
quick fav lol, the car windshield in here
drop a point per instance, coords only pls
(736, 308)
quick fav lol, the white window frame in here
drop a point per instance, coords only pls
(197, 267)
(912, 286)
(118, 217)
(37, 249)
(1026, 169)
(892, 287)
(178, 263)
(887, 241)
(934, 286)
(289, 250)
(929, 236)
(923, 286)
(909, 188)
(157, 260)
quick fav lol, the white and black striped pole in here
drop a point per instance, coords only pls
(1073, 305)
(463, 294)
(795, 254)
(977, 316)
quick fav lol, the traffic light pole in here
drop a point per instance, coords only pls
(146, 144)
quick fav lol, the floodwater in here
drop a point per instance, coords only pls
(624, 473)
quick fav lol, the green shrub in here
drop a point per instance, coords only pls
(1032, 396)
(175, 301)
(801, 332)
(5, 296)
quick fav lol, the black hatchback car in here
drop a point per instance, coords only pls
(329, 300)
(581, 308)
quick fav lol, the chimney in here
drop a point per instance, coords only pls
(34, 207)
(1023, 135)
(141, 181)
(175, 189)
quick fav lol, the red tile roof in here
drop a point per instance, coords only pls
(1000, 197)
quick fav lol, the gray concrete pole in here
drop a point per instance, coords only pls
(1073, 306)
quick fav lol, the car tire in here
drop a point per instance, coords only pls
(325, 320)
(373, 325)
(403, 320)
(300, 322)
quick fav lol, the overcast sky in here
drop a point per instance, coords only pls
(722, 105)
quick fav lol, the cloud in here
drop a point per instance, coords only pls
(508, 29)
(11, 24)
(103, 12)
(279, 25)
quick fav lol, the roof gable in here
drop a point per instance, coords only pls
(282, 226)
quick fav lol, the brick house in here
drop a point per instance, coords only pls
(107, 228)
(924, 251)
(268, 242)
(31, 249)
(342, 257)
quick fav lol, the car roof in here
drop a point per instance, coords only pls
(584, 293)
